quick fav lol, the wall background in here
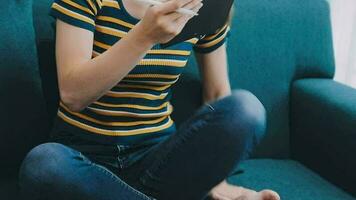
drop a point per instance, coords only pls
(343, 16)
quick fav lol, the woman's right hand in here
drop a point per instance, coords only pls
(161, 23)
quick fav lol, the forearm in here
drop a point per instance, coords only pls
(89, 80)
(214, 74)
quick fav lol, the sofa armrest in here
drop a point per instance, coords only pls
(323, 129)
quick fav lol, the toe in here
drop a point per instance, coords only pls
(269, 195)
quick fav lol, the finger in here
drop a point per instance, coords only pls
(171, 6)
(184, 18)
(173, 16)
(192, 4)
(197, 7)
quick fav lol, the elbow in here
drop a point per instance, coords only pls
(72, 101)
(211, 96)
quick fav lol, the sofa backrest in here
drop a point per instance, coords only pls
(272, 43)
(23, 116)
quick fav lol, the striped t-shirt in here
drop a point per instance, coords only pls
(138, 107)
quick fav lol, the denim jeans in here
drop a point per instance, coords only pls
(203, 151)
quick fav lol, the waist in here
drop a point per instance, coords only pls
(117, 125)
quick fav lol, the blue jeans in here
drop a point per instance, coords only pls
(204, 151)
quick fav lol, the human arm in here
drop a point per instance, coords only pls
(213, 68)
(211, 56)
(83, 79)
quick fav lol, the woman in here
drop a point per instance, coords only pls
(113, 137)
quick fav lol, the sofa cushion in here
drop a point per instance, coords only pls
(289, 178)
(23, 115)
(292, 180)
(271, 43)
(44, 26)
(323, 114)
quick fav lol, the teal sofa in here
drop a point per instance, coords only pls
(281, 50)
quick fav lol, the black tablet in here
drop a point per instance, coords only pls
(212, 16)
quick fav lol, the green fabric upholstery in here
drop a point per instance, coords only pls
(292, 180)
(282, 38)
(323, 114)
(45, 33)
(44, 26)
(23, 115)
(272, 42)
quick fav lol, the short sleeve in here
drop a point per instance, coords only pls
(211, 42)
(79, 13)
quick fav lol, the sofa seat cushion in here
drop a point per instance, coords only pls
(289, 178)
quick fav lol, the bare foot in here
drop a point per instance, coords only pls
(225, 191)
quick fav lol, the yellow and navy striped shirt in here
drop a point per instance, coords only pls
(138, 107)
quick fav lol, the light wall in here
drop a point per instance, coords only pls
(343, 18)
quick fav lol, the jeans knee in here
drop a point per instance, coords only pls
(246, 116)
(40, 165)
(250, 108)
